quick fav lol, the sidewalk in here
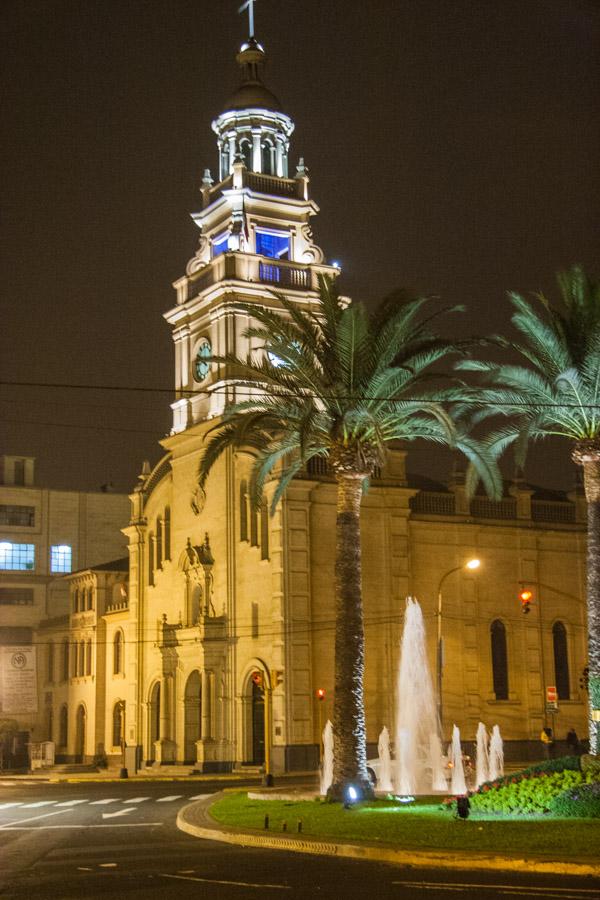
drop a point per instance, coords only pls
(196, 820)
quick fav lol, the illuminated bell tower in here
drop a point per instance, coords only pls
(255, 241)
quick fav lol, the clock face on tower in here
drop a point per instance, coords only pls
(201, 363)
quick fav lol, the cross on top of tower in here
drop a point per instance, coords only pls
(249, 5)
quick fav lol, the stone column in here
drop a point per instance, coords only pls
(256, 154)
(206, 706)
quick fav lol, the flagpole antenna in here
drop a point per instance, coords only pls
(249, 5)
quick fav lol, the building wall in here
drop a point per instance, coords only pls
(89, 523)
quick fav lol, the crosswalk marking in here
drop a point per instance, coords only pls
(36, 805)
(104, 802)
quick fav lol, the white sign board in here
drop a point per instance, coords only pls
(18, 681)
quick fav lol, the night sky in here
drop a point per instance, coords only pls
(453, 149)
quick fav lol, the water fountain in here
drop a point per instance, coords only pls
(384, 780)
(327, 764)
(482, 760)
(496, 755)
(458, 784)
(418, 766)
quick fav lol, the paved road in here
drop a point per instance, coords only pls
(119, 840)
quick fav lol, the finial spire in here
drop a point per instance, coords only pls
(249, 5)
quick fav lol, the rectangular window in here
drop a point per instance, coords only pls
(60, 558)
(274, 244)
(16, 596)
(17, 515)
(220, 244)
(17, 557)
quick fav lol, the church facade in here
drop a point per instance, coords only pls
(219, 601)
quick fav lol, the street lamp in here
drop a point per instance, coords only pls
(471, 564)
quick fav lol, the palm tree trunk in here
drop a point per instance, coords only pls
(591, 472)
(350, 754)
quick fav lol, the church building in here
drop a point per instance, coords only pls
(219, 600)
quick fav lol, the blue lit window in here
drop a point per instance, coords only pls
(274, 244)
(220, 244)
(17, 557)
(60, 558)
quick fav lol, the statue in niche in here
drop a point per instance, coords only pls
(197, 564)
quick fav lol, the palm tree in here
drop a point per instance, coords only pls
(558, 393)
(340, 384)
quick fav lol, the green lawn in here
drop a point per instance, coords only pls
(417, 826)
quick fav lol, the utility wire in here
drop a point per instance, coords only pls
(283, 395)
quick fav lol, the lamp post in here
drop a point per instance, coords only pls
(471, 564)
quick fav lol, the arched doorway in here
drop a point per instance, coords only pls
(80, 734)
(258, 725)
(153, 720)
(192, 716)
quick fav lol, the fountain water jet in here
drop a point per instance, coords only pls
(496, 754)
(417, 769)
(482, 760)
(458, 783)
(384, 780)
(327, 764)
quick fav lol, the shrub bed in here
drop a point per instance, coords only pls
(525, 792)
(582, 802)
(561, 787)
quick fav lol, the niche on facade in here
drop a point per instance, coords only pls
(196, 563)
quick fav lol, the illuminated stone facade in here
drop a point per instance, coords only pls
(217, 591)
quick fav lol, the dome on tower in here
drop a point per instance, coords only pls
(252, 92)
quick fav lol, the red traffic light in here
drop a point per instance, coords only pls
(257, 679)
(525, 597)
(321, 693)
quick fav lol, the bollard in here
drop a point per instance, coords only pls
(299, 826)
(266, 823)
(284, 826)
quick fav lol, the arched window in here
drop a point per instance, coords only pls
(117, 737)
(90, 598)
(81, 661)
(65, 660)
(74, 655)
(167, 532)
(150, 559)
(243, 510)
(159, 543)
(246, 151)
(50, 672)
(268, 158)
(75, 600)
(63, 733)
(499, 659)
(118, 653)
(88, 658)
(264, 530)
(561, 661)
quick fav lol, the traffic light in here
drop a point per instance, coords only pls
(276, 677)
(257, 679)
(525, 596)
(321, 694)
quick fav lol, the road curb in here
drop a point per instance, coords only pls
(195, 820)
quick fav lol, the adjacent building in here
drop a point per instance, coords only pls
(44, 535)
